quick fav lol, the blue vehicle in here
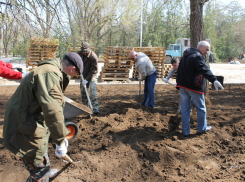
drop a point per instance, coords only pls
(177, 49)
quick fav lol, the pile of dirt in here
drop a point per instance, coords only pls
(128, 142)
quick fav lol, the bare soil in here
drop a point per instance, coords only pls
(128, 142)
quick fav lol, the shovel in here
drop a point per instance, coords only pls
(140, 97)
(174, 121)
(67, 158)
(89, 101)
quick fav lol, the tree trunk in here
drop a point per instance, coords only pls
(196, 21)
(47, 31)
(196, 27)
(206, 81)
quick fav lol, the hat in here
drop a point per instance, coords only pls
(75, 60)
(85, 47)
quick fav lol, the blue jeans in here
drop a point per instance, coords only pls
(149, 98)
(199, 101)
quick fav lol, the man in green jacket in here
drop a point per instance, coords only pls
(35, 112)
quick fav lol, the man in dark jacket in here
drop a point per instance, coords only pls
(190, 80)
(35, 111)
(90, 61)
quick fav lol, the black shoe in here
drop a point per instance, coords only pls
(96, 112)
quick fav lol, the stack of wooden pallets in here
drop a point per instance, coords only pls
(40, 49)
(117, 64)
(156, 55)
(167, 69)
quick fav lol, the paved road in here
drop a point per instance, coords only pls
(9, 59)
(232, 73)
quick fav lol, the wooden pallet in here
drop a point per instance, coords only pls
(118, 65)
(167, 65)
(43, 41)
(114, 75)
(41, 49)
(159, 76)
(167, 73)
(113, 70)
(114, 55)
(157, 61)
(145, 49)
(113, 79)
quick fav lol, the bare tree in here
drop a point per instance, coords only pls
(87, 19)
(8, 35)
(38, 12)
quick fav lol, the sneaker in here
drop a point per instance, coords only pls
(207, 129)
(53, 173)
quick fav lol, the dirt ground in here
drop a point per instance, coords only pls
(128, 142)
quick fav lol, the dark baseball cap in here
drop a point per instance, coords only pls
(75, 60)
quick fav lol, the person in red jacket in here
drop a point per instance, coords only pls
(6, 71)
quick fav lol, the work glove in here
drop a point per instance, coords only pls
(217, 85)
(61, 150)
(165, 80)
(24, 75)
(85, 82)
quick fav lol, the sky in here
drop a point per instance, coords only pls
(242, 2)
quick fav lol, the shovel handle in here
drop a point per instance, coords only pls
(139, 87)
(89, 101)
(67, 158)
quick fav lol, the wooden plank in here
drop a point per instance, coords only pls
(113, 70)
(43, 41)
(118, 64)
(114, 76)
(113, 79)
(167, 65)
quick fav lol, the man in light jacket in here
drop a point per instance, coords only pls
(147, 72)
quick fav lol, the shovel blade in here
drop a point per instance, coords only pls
(139, 98)
(67, 158)
(174, 122)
